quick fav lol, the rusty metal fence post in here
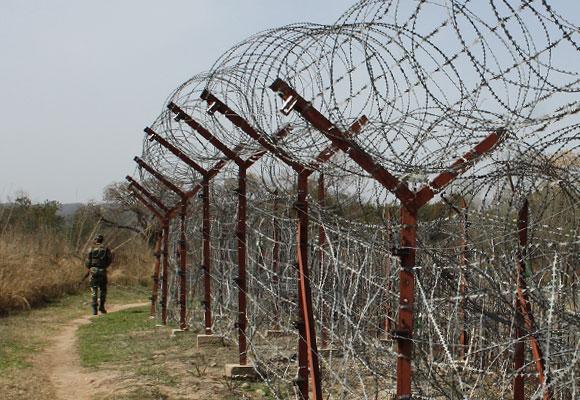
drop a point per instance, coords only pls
(156, 271)
(524, 316)
(182, 244)
(206, 263)
(183, 266)
(276, 262)
(161, 247)
(165, 272)
(217, 105)
(308, 351)
(241, 280)
(308, 365)
(411, 202)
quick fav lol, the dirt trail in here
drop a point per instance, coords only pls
(61, 362)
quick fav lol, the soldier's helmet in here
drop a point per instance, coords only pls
(99, 238)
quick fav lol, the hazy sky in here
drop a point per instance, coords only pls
(80, 79)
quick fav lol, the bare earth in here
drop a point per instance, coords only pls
(61, 362)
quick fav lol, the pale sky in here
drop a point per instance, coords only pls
(80, 79)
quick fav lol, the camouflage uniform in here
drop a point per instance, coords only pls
(98, 259)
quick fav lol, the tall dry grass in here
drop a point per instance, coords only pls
(38, 267)
(34, 270)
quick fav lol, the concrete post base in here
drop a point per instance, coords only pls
(209, 340)
(178, 332)
(241, 372)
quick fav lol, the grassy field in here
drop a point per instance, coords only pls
(156, 365)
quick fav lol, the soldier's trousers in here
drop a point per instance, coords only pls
(99, 291)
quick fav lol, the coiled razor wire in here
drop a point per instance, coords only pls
(433, 78)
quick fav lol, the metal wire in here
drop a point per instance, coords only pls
(433, 78)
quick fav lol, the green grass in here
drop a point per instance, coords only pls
(129, 338)
(13, 354)
(25, 333)
(128, 335)
(115, 337)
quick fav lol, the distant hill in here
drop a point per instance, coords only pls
(69, 209)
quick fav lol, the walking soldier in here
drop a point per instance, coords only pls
(98, 259)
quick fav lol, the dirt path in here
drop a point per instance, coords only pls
(61, 363)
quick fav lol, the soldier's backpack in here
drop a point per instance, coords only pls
(99, 257)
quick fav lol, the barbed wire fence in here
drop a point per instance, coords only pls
(385, 206)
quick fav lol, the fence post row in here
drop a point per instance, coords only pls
(139, 191)
(243, 165)
(231, 155)
(182, 244)
(156, 253)
(307, 348)
(205, 223)
(170, 213)
(217, 105)
(411, 203)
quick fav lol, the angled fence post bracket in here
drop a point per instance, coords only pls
(411, 203)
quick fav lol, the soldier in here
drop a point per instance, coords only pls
(98, 259)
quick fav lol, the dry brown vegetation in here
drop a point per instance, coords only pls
(36, 269)
(42, 254)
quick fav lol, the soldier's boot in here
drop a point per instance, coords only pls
(102, 299)
(94, 309)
